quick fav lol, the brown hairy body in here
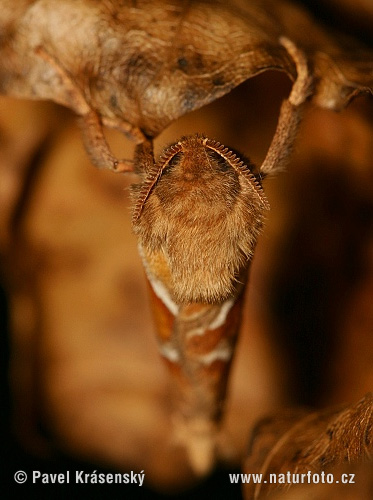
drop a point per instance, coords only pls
(198, 215)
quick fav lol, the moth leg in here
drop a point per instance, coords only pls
(133, 133)
(290, 113)
(97, 147)
(90, 122)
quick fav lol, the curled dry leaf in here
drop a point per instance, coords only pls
(140, 65)
(319, 442)
(144, 63)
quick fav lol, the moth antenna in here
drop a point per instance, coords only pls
(239, 166)
(152, 178)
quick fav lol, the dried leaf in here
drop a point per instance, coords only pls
(318, 442)
(145, 62)
(137, 66)
(149, 62)
(343, 67)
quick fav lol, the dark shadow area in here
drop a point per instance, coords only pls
(349, 20)
(322, 260)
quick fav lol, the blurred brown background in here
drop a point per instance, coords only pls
(86, 386)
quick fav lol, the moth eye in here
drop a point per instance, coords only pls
(220, 163)
(175, 160)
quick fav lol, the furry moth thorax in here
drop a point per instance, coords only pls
(197, 215)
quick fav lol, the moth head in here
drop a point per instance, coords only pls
(197, 215)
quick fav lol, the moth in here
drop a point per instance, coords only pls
(197, 213)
